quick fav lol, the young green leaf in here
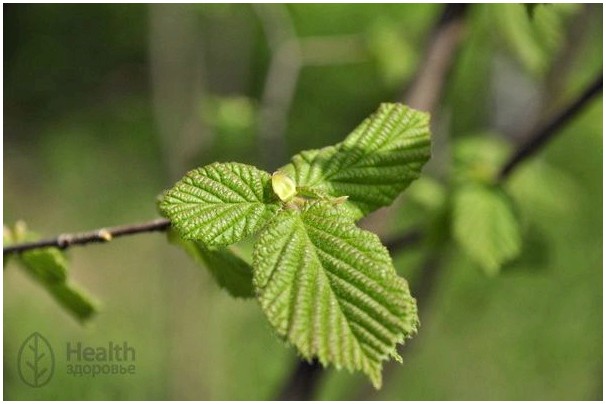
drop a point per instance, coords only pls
(373, 165)
(283, 186)
(331, 290)
(485, 226)
(48, 266)
(229, 270)
(220, 204)
(77, 302)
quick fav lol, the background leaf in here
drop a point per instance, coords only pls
(374, 164)
(331, 290)
(77, 302)
(221, 203)
(485, 226)
(48, 266)
(229, 270)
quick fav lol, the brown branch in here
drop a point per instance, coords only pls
(426, 88)
(547, 131)
(104, 235)
(302, 383)
(403, 240)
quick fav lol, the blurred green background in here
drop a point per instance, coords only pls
(107, 105)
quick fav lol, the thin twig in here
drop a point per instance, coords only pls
(104, 235)
(546, 132)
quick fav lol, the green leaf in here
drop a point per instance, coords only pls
(373, 165)
(220, 204)
(48, 266)
(229, 270)
(77, 302)
(479, 157)
(331, 290)
(485, 226)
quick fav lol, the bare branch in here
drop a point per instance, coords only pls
(428, 84)
(546, 132)
(104, 235)
(426, 88)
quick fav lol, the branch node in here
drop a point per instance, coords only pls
(64, 241)
(104, 235)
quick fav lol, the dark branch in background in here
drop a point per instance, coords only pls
(423, 291)
(549, 129)
(403, 240)
(423, 94)
(426, 88)
(104, 235)
(305, 377)
(301, 385)
(431, 266)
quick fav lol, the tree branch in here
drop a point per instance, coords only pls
(103, 235)
(302, 382)
(546, 132)
(426, 88)
(403, 240)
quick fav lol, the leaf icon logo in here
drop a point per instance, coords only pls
(36, 361)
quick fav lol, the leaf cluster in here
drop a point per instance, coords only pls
(326, 286)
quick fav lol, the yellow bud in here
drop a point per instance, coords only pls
(283, 186)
